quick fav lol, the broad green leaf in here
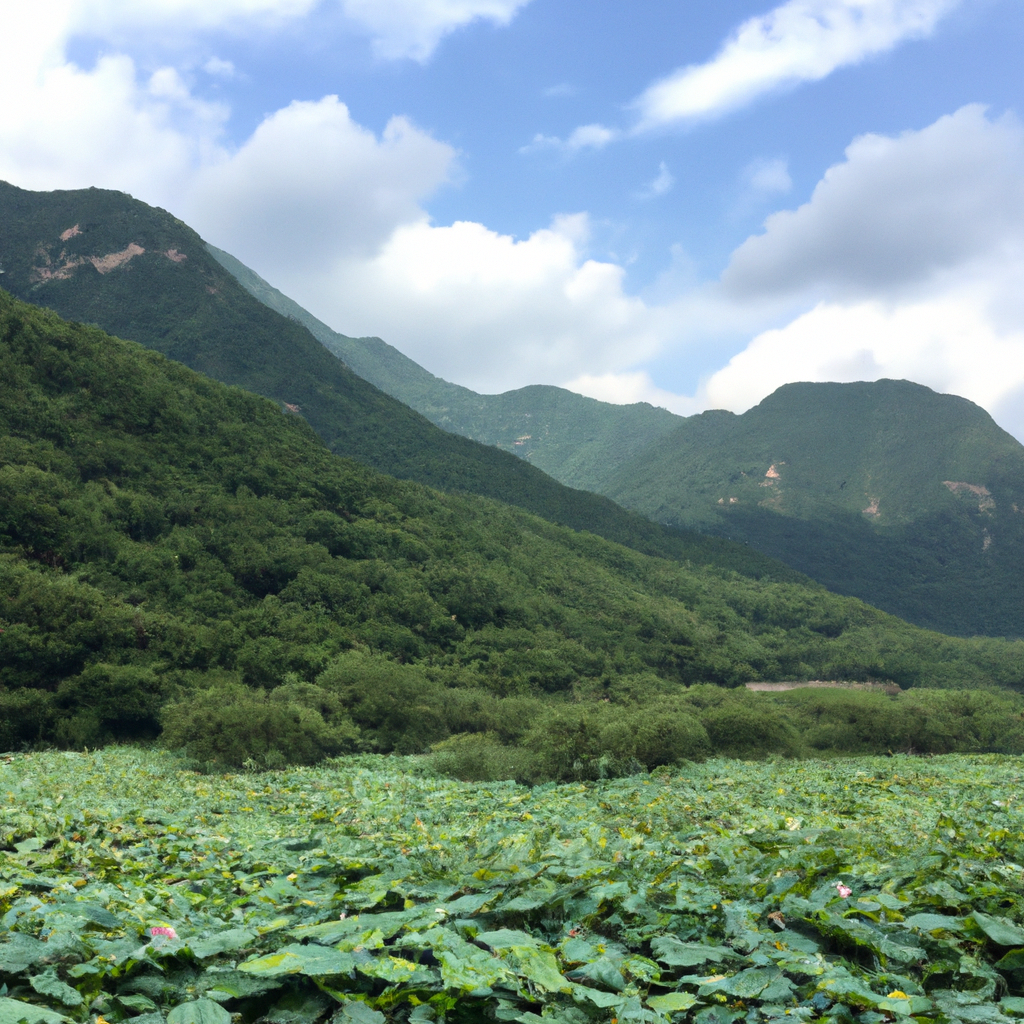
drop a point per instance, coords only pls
(48, 984)
(669, 950)
(673, 1002)
(199, 1011)
(506, 938)
(1012, 961)
(1013, 1005)
(317, 961)
(934, 922)
(357, 1013)
(222, 942)
(14, 1011)
(1000, 930)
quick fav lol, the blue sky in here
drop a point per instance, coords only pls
(686, 203)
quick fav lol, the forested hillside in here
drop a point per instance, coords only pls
(884, 490)
(101, 257)
(163, 535)
(577, 440)
(906, 498)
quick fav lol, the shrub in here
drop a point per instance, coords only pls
(26, 716)
(398, 707)
(233, 726)
(480, 757)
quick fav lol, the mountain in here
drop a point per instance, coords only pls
(101, 257)
(906, 498)
(163, 536)
(576, 440)
(886, 491)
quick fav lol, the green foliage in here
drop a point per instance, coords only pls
(860, 889)
(161, 531)
(885, 490)
(176, 298)
(231, 725)
(837, 448)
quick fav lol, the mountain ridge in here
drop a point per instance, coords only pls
(102, 257)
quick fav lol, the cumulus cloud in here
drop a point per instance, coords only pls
(628, 388)
(413, 28)
(767, 176)
(910, 254)
(487, 310)
(397, 28)
(947, 342)
(799, 41)
(660, 185)
(310, 184)
(897, 212)
(587, 136)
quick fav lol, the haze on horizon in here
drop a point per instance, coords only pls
(683, 204)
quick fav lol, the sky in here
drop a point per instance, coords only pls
(689, 204)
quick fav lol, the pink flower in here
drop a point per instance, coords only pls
(844, 890)
(167, 933)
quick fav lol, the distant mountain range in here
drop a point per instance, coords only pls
(887, 491)
(104, 258)
(910, 500)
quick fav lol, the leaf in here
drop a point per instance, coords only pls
(20, 952)
(199, 1011)
(14, 1011)
(669, 950)
(506, 938)
(354, 1012)
(1012, 961)
(317, 961)
(673, 1002)
(48, 984)
(541, 968)
(1012, 1004)
(222, 942)
(1000, 930)
(746, 985)
(934, 923)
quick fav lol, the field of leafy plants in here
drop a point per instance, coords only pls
(367, 891)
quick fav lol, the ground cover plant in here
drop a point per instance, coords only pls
(864, 890)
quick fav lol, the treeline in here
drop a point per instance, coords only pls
(364, 704)
(162, 535)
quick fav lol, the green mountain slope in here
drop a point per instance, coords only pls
(907, 498)
(102, 257)
(885, 490)
(161, 533)
(576, 440)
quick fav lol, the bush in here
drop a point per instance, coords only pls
(480, 757)
(742, 724)
(26, 716)
(845, 721)
(233, 726)
(656, 734)
(398, 707)
(107, 703)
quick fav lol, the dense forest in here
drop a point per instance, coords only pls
(178, 554)
(883, 490)
(103, 258)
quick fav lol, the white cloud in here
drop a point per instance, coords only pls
(486, 310)
(413, 28)
(312, 185)
(897, 212)
(219, 68)
(767, 176)
(630, 387)
(947, 342)
(587, 136)
(660, 185)
(397, 28)
(799, 41)
(910, 255)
